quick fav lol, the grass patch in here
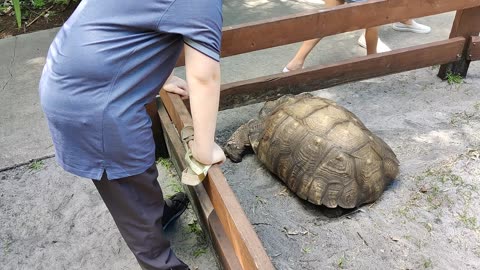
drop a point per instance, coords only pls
(36, 165)
(453, 78)
(443, 191)
(195, 228)
(342, 262)
(174, 185)
(165, 162)
(199, 252)
(438, 190)
(306, 250)
(405, 210)
(469, 222)
(6, 247)
(427, 263)
(440, 181)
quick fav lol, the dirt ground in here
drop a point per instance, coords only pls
(53, 220)
(427, 219)
(37, 19)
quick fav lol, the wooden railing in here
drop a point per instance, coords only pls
(233, 237)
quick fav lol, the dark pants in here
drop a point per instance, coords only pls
(136, 204)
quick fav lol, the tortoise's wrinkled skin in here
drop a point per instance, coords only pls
(320, 150)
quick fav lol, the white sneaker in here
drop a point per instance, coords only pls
(285, 69)
(381, 47)
(414, 27)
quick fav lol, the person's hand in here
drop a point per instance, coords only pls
(217, 156)
(178, 86)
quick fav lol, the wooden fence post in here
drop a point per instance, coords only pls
(466, 24)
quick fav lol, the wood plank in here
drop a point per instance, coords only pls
(199, 198)
(474, 49)
(289, 29)
(466, 24)
(246, 244)
(180, 118)
(318, 77)
(245, 241)
(227, 257)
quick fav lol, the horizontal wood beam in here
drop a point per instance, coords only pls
(284, 30)
(199, 198)
(310, 79)
(246, 244)
(474, 49)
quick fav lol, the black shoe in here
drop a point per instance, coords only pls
(174, 207)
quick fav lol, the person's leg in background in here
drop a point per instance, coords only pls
(307, 46)
(137, 206)
(371, 39)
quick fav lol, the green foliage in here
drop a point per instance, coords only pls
(38, 3)
(18, 12)
(342, 262)
(36, 165)
(165, 162)
(454, 78)
(23, 9)
(175, 186)
(469, 221)
(199, 251)
(195, 228)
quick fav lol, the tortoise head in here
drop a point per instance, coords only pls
(237, 144)
(244, 140)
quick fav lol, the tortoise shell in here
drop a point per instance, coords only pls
(324, 153)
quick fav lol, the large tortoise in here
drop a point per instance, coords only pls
(320, 150)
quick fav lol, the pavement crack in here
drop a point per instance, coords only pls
(25, 163)
(11, 65)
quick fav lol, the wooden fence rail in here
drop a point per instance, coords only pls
(264, 34)
(323, 76)
(240, 235)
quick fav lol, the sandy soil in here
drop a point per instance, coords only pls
(427, 219)
(53, 220)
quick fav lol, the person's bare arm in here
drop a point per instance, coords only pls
(203, 78)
